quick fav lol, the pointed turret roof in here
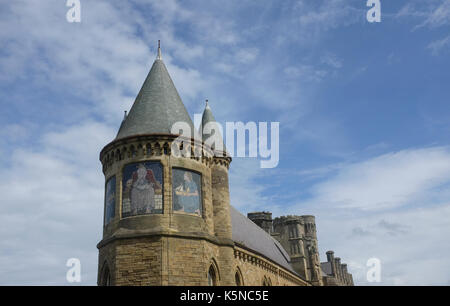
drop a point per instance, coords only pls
(207, 118)
(157, 106)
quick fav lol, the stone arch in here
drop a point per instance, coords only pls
(239, 279)
(157, 149)
(212, 273)
(148, 148)
(105, 275)
(132, 152)
(166, 149)
(123, 153)
(140, 149)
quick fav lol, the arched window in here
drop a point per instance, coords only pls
(106, 277)
(212, 278)
(238, 279)
(149, 149)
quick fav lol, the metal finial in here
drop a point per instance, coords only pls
(159, 50)
(125, 115)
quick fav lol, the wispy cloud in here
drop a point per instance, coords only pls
(388, 181)
(432, 14)
(64, 88)
(52, 206)
(440, 45)
(382, 206)
(439, 16)
(391, 236)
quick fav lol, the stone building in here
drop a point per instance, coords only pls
(297, 235)
(336, 274)
(167, 215)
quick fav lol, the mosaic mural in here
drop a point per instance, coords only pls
(110, 199)
(142, 189)
(186, 189)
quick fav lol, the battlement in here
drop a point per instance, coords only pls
(260, 215)
(263, 219)
(304, 219)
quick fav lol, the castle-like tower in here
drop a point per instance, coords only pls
(167, 214)
(297, 234)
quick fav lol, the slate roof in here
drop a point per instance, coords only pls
(250, 235)
(157, 106)
(208, 117)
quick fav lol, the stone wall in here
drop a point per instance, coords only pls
(255, 269)
(138, 262)
(174, 248)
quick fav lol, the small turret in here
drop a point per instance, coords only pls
(345, 274)
(337, 261)
(330, 259)
(262, 219)
(210, 131)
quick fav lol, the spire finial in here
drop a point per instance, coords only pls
(159, 57)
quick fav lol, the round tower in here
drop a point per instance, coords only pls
(330, 259)
(212, 138)
(166, 215)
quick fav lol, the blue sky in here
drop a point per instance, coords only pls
(363, 109)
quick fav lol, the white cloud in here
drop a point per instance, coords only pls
(53, 193)
(332, 60)
(306, 72)
(317, 17)
(245, 190)
(411, 244)
(437, 46)
(98, 58)
(433, 14)
(52, 200)
(439, 16)
(388, 181)
(393, 207)
(51, 210)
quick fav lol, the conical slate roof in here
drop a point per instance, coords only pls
(207, 118)
(157, 106)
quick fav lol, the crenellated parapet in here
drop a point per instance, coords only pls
(155, 145)
(262, 219)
